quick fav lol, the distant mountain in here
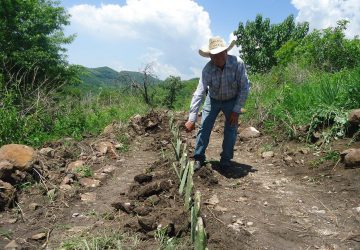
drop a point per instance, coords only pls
(107, 77)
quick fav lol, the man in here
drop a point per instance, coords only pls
(225, 81)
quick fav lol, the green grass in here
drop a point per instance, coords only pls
(103, 240)
(70, 115)
(321, 100)
(84, 171)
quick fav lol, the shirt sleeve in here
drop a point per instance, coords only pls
(244, 82)
(197, 99)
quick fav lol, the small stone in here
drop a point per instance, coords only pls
(357, 209)
(88, 182)
(268, 154)
(12, 245)
(39, 236)
(12, 221)
(73, 166)
(288, 160)
(304, 151)
(141, 178)
(68, 179)
(240, 222)
(119, 146)
(100, 176)
(75, 215)
(33, 206)
(65, 187)
(213, 200)
(77, 229)
(108, 169)
(265, 203)
(49, 152)
(250, 223)
(88, 197)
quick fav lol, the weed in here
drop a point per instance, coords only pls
(6, 233)
(125, 141)
(103, 240)
(84, 171)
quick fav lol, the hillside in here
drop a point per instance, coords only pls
(107, 77)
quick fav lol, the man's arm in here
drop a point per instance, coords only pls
(243, 80)
(196, 101)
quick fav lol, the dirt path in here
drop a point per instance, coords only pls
(267, 204)
(259, 203)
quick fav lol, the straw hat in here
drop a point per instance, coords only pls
(216, 45)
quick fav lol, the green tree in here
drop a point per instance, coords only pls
(326, 49)
(31, 44)
(259, 40)
(172, 85)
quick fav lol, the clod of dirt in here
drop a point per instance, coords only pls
(151, 189)
(142, 211)
(141, 178)
(126, 207)
(147, 223)
(207, 175)
(7, 194)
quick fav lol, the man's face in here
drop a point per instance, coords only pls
(219, 59)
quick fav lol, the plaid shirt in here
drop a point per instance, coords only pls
(222, 85)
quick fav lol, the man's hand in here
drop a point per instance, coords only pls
(234, 119)
(189, 126)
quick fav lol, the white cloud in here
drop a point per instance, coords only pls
(235, 50)
(325, 13)
(168, 33)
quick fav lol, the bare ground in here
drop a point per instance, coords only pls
(259, 203)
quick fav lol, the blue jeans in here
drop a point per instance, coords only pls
(210, 111)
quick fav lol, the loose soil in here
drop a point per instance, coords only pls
(258, 203)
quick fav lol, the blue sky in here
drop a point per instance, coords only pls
(127, 35)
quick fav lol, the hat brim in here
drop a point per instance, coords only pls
(206, 52)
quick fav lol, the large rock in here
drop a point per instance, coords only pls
(7, 194)
(354, 116)
(351, 157)
(19, 155)
(249, 133)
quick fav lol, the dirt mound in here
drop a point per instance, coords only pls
(154, 201)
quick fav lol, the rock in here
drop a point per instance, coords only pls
(249, 133)
(141, 178)
(49, 152)
(89, 182)
(77, 229)
(288, 160)
(100, 176)
(250, 223)
(103, 146)
(357, 209)
(214, 200)
(354, 116)
(304, 151)
(73, 166)
(268, 154)
(39, 236)
(65, 187)
(7, 194)
(20, 155)
(351, 157)
(108, 169)
(112, 152)
(88, 197)
(119, 146)
(12, 245)
(68, 179)
(33, 206)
